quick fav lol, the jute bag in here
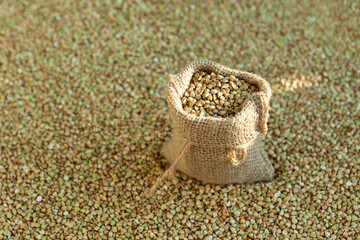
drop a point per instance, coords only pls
(218, 150)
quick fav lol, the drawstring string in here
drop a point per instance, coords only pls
(233, 158)
(169, 172)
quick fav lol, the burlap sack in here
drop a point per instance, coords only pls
(218, 150)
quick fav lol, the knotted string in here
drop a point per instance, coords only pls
(233, 158)
(169, 172)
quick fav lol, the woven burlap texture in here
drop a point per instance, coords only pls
(218, 150)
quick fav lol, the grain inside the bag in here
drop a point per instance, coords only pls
(211, 94)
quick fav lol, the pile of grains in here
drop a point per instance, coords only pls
(211, 94)
(83, 115)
